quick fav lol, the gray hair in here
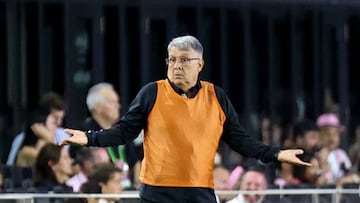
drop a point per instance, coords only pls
(186, 42)
(94, 96)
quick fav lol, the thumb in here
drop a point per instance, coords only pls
(70, 131)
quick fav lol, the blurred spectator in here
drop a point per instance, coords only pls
(217, 159)
(233, 183)
(354, 150)
(104, 106)
(331, 162)
(52, 169)
(56, 106)
(87, 158)
(306, 137)
(253, 179)
(221, 178)
(39, 130)
(105, 179)
(349, 179)
(285, 176)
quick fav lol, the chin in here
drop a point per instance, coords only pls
(178, 81)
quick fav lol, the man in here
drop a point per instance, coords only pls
(104, 106)
(87, 158)
(306, 137)
(253, 179)
(183, 120)
(56, 105)
(221, 178)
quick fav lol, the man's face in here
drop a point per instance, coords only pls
(113, 185)
(109, 109)
(182, 73)
(221, 178)
(253, 180)
(311, 139)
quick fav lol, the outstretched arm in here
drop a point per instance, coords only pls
(127, 129)
(236, 137)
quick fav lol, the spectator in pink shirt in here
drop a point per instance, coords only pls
(87, 158)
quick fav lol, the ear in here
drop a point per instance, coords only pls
(101, 185)
(51, 164)
(201, 64)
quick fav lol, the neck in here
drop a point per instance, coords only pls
(103, 123)
(61, 178)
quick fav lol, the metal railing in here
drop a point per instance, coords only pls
(315, 193)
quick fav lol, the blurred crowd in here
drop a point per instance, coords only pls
(36, 164)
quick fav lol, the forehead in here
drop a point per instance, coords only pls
(57, 112)
(177, 52)
(255, 177)
(108, 93)
(311, 133)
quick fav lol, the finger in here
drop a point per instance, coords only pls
(306, 164)
(299, 151)
(302, 163)
(63, 143)
(69, 131)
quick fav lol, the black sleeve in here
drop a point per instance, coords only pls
(236, 137)
(130, 125)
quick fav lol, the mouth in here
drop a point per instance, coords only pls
(178, 75)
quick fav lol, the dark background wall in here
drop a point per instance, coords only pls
(284, 59)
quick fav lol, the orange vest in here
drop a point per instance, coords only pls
(181, 138)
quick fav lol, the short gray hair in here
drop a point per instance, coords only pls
(94, 96)
(186, 42)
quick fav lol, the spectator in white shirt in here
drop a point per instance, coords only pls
(253, 179)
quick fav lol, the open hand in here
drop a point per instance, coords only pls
(77, 138)
(290, 156)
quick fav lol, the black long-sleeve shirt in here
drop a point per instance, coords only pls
(130, 125)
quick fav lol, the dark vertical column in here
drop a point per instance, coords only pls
(3, 58)
(248, 69)
(145, 28)
(123, 56)
(317, 30)
(224, 50)
(296, 73)
(271, 66)
(70, 90)
(97, 41)
(343, 70)
(45, 73)
(15, 59)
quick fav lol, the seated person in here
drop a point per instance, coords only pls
(39, 130)
(253, 179)
(52, 169)
(221, 178)
(105, 179)
(53, 103)
(87, 158)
